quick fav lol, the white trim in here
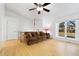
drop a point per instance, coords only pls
(67, 40)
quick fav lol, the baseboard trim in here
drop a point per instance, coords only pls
(68, 40)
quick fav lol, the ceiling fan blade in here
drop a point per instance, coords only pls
(45, 4)
(32, 9)
(36, 4)
(46, 10)
(39, 12)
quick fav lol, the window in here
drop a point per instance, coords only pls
(71, 29)
(62, 29)
(67, 29)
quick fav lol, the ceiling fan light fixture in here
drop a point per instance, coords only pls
(39, 8)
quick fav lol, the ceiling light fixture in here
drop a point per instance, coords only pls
(39, 8)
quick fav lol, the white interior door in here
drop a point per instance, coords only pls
(12, 28)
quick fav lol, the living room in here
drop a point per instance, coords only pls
(59, 27)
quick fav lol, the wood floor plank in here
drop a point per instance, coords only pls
(48, 47)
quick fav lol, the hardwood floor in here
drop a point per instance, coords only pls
(49, 47)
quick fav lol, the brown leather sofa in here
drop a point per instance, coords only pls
(34, 37)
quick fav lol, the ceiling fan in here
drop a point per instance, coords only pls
(40, 7)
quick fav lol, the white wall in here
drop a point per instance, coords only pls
(77, 30)
(0, 27)
(2, 30)
(39, 24)
(16, 23)
(49, 21)
(12, 27)
(26, 24)
(7, 18)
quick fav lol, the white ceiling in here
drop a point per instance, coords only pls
(56, 9)
(22, 8)
(64, 9)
